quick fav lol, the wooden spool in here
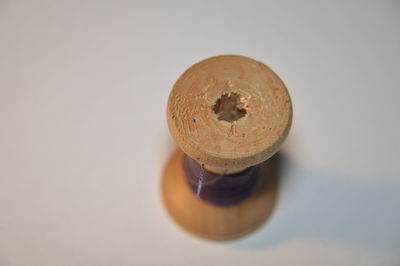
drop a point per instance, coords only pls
(227, 112)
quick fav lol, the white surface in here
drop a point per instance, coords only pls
(83, 137)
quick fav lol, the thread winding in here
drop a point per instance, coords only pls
(220, 189)
(201, 181)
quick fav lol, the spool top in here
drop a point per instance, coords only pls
(229, 112)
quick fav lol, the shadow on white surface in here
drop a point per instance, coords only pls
(325, 207)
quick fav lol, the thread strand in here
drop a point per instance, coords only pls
(201, 181)
(219, 189)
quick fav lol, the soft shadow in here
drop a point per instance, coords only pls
(264, 199)
(270, 177)
(323, 206)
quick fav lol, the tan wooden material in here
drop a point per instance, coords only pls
(228, 113)
(250, 97)
(215, 222)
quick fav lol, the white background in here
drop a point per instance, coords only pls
(83, 136)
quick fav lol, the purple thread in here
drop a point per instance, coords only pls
(201, 181)
(220, 189)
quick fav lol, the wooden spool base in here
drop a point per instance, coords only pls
(216, 222)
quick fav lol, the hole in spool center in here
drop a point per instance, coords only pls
(229, 107)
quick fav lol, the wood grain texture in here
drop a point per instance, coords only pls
(228, 113)
(220, 145)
